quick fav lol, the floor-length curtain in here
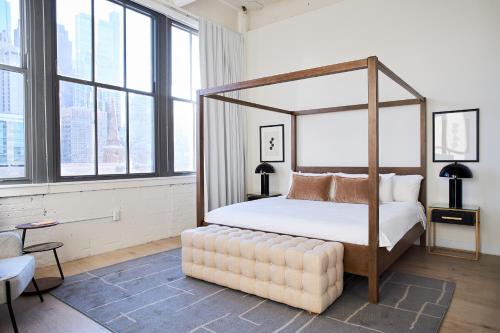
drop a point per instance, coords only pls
(222, 61)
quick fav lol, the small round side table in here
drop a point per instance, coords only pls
(47, 283)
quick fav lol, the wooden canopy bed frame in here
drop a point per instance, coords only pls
(365, 260)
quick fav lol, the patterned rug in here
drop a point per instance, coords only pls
(151, 294)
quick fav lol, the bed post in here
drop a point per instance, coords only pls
(423, 162)
(373, 181)
(200, 164)
(293, 145)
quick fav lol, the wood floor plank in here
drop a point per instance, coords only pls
(50, 316)
(475, 306)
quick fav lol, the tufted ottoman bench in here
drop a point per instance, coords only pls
(301, 272)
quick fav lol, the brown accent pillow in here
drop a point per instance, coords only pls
(310, 188)
(351, 190)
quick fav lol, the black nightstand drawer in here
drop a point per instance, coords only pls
(453, 216)
(251, 197)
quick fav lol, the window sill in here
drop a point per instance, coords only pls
(20, 190)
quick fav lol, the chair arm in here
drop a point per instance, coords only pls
(5, 278)
(10, 245)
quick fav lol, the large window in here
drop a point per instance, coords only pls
(13, 72)
(106, 92)
(101, 89)
(185, 80)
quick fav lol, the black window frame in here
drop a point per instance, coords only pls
(25, 69)
(42, 145)
(155, 93)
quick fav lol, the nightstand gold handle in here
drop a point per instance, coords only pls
(452, 218)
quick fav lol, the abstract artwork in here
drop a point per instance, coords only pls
(272, 143)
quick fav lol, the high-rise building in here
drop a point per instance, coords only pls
(111, 128)
(77, 135)
(109, 50)
(6, 42)
(83, 47)
(76, 112)
(111, 132)
(64, 50)
(141, 120)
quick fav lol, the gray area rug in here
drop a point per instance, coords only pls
(151, 294)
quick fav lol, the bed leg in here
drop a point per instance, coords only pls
(373, 291)
(423, 239)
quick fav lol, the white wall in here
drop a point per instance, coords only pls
(448, 50)
(280, 10)
(215, 11)
(150, 209)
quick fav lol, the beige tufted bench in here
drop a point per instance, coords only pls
(301, 272)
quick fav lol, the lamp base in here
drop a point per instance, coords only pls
(455, 200)
(264, 184)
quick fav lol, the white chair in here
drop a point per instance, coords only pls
(16, 271)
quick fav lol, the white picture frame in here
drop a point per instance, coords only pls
(456, 136)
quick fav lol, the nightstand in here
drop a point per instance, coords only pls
(442, 213)
(251, 197)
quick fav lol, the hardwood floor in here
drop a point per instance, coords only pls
(475, 306)
(476, 303)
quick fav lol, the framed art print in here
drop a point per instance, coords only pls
(456, 136)
(272, 143)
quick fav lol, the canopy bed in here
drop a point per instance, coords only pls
(365, 258)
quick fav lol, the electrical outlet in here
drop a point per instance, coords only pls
(116, 215)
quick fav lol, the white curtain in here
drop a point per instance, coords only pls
(222, 61)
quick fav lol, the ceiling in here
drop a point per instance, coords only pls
(249, 4)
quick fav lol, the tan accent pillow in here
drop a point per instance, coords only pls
(310, 188)
(351, 190)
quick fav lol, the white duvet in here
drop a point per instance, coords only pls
(318, 219)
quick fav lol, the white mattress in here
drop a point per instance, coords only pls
(323, 220)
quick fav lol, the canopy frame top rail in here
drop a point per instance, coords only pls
(349, 66)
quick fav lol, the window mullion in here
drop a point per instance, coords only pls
(191, 65)
(27, 81)
(103, 85)
(128, 132)
(13, 68)
(16, 78)
(92, 22)
(96, 135)
(96, 130)
(124, 48)
(125, 78)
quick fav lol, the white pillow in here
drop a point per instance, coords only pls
(332, 186)
(386, 184)
(406, 188)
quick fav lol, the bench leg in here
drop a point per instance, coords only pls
(9, 305)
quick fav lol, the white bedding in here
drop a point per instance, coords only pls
(318, 219)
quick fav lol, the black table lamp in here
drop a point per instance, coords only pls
(455, 172)
(264, 169)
